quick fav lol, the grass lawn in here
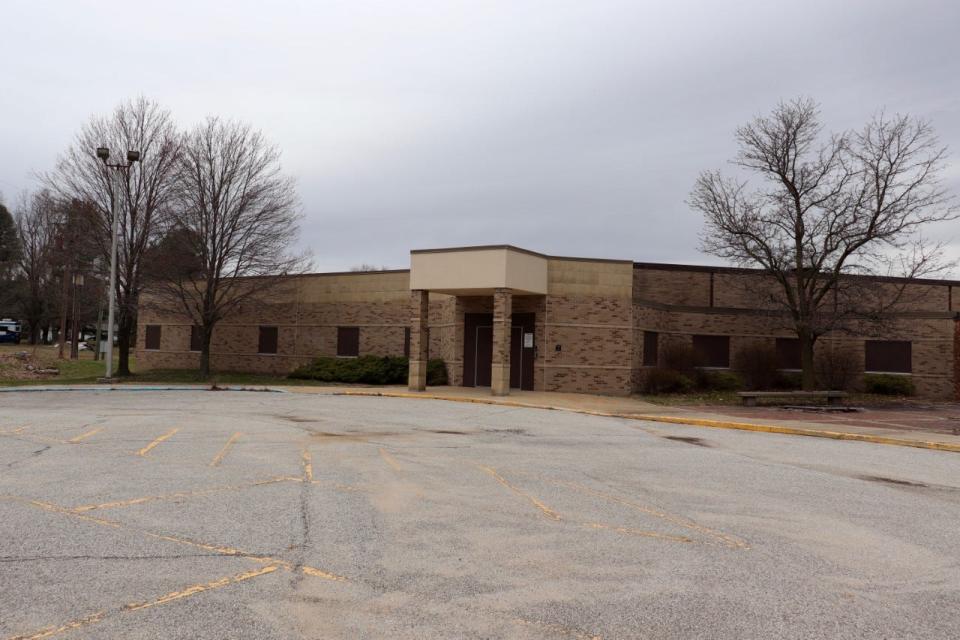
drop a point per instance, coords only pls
(731, 399)
(86, 370)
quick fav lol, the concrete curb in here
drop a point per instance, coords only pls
(694, 422)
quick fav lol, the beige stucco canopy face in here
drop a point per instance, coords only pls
(478, 270)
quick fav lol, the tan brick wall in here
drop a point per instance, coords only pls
(733, 293)
(690, 288)
(595, 310)
(306, 310)
(588, 313)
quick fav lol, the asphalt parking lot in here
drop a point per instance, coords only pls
(265, 515)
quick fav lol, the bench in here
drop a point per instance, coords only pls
(750, 398)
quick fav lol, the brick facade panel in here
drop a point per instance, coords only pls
(589, 310)
(593, 346)
(687, 288)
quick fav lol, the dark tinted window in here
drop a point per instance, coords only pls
(651, 348)
(196, 343)
(268, 340)
(712, 351)
(788, 353)
(406, 342)
(151, 338)
(348, 341)
(889, 356)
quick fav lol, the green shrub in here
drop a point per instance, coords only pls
(662, 380)
(679, 357)
(888, 385)
(368, 370)
(836, 367)
(718, 380)
(436, 373)
(756, 364)
(788, 380)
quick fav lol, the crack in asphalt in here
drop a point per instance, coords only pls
(30, 456)
(300, 548)
(13, 559)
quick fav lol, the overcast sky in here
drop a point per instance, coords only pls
(571, 128)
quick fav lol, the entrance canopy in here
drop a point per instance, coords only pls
(478, 270)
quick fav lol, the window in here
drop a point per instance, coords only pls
(406, 342)
(348, 341)
(196, 338)
(788, 353)
(268, 340)
(712, 351)
(888, 356)
(651, 348)
(152, 337)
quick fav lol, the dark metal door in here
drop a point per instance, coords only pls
(477, 349)
(522, 350)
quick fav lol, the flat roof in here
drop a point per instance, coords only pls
(667, 266)
(487, 247)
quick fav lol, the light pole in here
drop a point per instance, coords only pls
(132, 156)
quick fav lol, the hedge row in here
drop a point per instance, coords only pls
(368, 370)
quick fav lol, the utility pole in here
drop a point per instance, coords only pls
(75, 316)
(96, 354)
(132, 156)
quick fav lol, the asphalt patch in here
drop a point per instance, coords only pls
(689, 440)
(902, 483)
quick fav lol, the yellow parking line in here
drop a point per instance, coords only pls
(318, 573)
(200, 588)
(217, 459)
(390, 460)
(307, 465)
(143, 452)
(86, 435)
(630, 531)
(180, 494)
(547, 511)
(219, 549)
(686, 523)
(46, 632)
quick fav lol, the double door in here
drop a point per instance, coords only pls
(478, 350)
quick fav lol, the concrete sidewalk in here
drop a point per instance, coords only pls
(792, 423)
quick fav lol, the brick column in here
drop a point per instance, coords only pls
(956, 357)
(502, 315)
(419, 338)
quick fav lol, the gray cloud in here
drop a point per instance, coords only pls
(572, 128)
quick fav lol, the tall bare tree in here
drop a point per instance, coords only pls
(36, 223)
(833, 212)
(9, 257)
(235, 222)
(138, 194)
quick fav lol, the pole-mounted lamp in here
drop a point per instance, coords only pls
(103, 153)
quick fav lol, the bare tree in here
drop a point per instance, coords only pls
(235, 220)
(834, 212)
(138, 194)
(36, 217)
(75, 253)
(9, 257)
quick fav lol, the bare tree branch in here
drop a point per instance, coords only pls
(236, 217)
(829, 208)
(140, 194)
